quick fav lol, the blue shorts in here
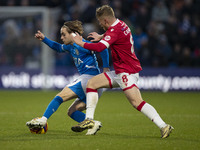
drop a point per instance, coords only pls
(78, 89)
(78, 86)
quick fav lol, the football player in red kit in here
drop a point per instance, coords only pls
(126, 65)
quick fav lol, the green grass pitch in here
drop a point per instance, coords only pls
(124, 128)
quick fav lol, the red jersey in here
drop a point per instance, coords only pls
(119, 38)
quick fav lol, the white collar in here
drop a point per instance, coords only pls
(116, 22)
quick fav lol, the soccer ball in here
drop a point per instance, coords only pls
(39, 130)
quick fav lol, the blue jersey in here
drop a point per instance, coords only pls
(85, 60)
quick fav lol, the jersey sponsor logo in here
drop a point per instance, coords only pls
(77, 61)
(107, 38)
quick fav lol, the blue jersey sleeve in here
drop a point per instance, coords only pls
(56, 46)
(105, 58)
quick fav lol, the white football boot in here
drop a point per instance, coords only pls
(38, 122)
(96, 128)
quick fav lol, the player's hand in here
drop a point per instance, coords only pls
(77, 39)
(96, 37)
(39, 35)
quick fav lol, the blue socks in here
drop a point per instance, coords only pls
(55, 103)
(78, 116)
(53, 106)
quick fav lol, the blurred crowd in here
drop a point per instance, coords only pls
(166, 32)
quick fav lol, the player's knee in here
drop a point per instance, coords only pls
(60, 95)
(64, 97)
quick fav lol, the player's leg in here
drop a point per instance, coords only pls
(134, 97)
(80, 89)
(128, 82)
(75, 110)
(100, 81)
(97, 124)
(64, 95)
(71, 91)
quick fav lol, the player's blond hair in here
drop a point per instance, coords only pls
(104, 10)
(73, 26)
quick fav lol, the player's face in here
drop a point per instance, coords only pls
(65, 36)
(102, 23)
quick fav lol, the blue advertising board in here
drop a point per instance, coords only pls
(159, 79)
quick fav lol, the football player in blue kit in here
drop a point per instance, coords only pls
(87, 66)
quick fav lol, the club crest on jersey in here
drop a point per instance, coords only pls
(107, 38)
(77, 52)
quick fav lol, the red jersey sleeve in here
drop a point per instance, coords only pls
(109, 37)
(98, 47)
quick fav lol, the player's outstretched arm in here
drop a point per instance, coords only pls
(95, 36)
(39, 35)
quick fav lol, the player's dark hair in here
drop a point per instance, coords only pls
(74, 26)
(104, 10)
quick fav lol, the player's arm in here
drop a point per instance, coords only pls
(105, 59)
(104, 43)
(104, 56)
(98, 47)
(52, 44)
